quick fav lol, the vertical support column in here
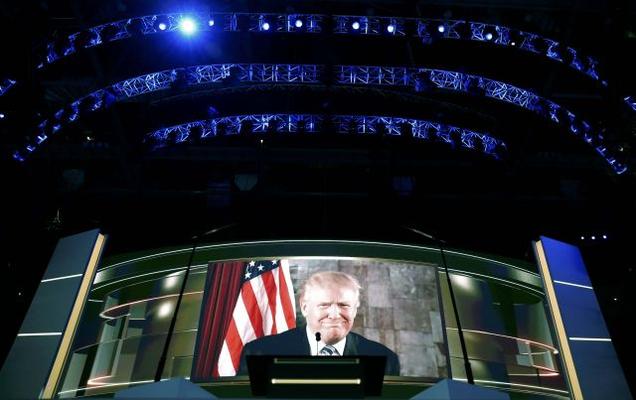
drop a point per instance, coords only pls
(590, 362)
(36, 359)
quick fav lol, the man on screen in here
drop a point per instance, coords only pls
(329, 302)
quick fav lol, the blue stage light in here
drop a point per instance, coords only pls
(162, 26)
(265, 26)
(390, 28)
(187, 26)
(355, 25)
(298, 23)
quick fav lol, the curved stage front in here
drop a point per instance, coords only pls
(404, 304)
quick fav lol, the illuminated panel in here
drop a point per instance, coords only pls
(37, 356)
(590, 360)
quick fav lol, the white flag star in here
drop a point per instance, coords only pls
(248, 275)
(252, 263)
(260, 267)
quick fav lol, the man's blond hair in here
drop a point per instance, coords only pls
(326, 279)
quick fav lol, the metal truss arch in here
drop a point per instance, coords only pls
(415, 79)
(343, 124)
(424, 28)
(5, 85)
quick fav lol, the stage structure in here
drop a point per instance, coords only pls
(405, 304)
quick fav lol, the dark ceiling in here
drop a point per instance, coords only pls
(328, 185)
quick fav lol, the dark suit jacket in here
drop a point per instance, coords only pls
(294, 343)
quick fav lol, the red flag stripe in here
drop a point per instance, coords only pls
(253, 312)
(270, 288)
(234, 344)
(288, 307)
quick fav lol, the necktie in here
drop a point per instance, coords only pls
(329, 350)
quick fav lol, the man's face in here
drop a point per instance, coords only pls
(330, 310)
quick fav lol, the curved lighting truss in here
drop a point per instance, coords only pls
(631, 102)
(417, 79)
(426, 29)
(343, 124)
(5, 85)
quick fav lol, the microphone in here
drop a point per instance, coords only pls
(317, 340)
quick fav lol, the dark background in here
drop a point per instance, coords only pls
(548, 183)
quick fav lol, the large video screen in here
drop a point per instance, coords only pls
(321, 306)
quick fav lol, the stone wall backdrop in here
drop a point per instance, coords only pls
(399, 307)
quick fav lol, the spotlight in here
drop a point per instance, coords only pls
(441, 28)
(187, 26)
(164, 310)
(265, 26)
(593, 238)
(161, 22)
(355, 25)
(515, 38)
(2, 115)
(490, 32)
(604, 236)
(211, 22)
(390, 28)
(298, 23)
(582, 237)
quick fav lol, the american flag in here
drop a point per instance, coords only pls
(265, 306)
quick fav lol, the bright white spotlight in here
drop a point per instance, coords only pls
(582, 237)
(2, 115)
(513, 43)
(298, 23)
(164, 309)
(441, 28)
(162, 26)
(390, 28)
(593, 238)
(188, 26)
(489, 36)
(604, 236)
(210, 22)
(355, 25)
(265, 26)
(170, 282)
